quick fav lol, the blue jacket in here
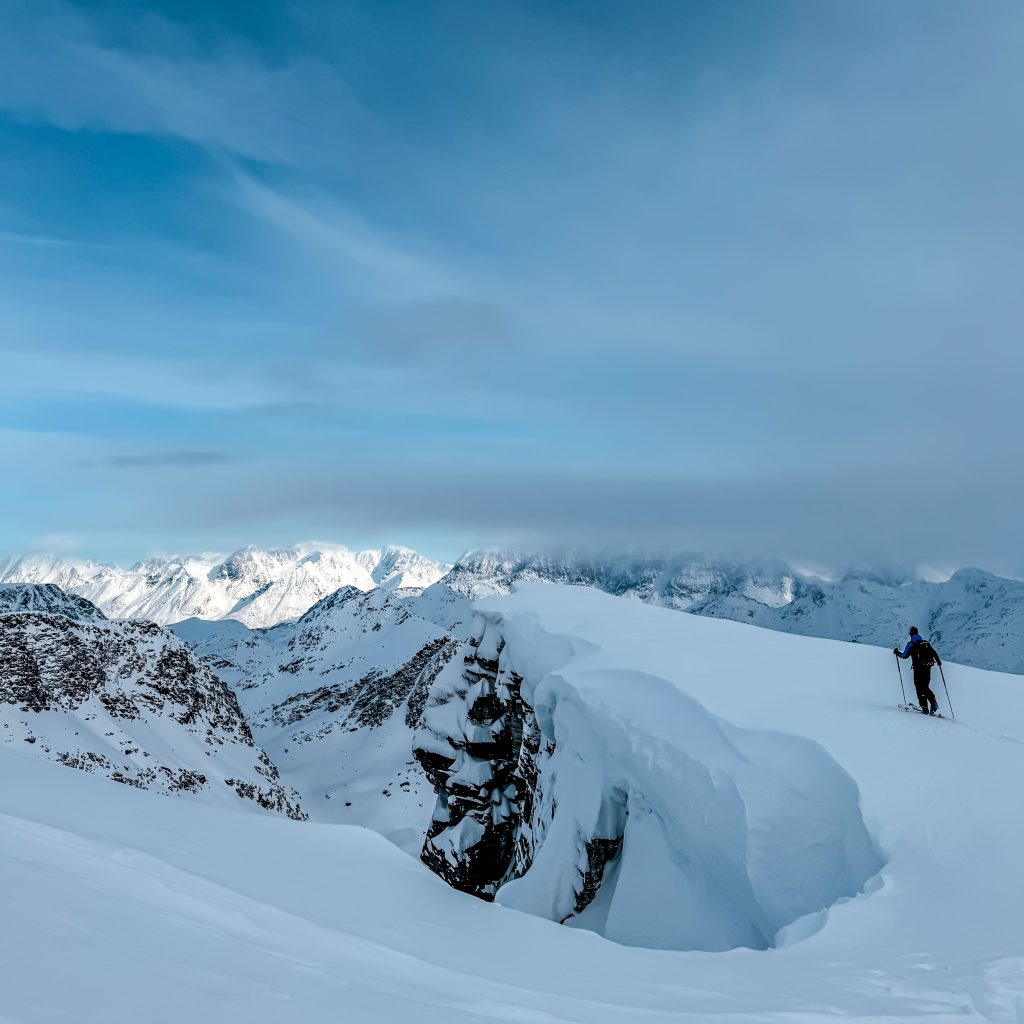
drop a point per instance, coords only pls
(916, 639)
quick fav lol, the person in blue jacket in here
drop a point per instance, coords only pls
(923, 656)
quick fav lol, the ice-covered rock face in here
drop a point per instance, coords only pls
(608, 798)
(128, 700)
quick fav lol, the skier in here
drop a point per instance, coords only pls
(923, 656)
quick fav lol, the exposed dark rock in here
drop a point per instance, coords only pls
(481, 748)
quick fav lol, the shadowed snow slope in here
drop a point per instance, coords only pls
(121, 906)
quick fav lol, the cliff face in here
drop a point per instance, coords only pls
(130, 701)
(572, 784)
(483, 750)
(469, 746)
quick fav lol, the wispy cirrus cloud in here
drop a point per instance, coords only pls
(158, 82)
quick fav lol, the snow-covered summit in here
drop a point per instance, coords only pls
(49, 598)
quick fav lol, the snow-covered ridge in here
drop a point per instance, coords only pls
(260, 588)
(973, 617)
(674, 828)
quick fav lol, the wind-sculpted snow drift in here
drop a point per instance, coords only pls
(579, 789)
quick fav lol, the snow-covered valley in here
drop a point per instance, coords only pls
(166, 908)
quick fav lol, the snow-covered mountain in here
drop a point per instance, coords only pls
(257, 587)
(334, 699)
(47, 598)
(152, 909)
(974, 617)
(127, 700)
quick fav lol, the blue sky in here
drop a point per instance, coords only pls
(734, 276)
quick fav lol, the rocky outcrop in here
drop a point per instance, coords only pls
(128, 700)
(471, 747)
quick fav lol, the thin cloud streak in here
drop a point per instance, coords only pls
(156, 460)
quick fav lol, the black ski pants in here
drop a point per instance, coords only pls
(923, 685)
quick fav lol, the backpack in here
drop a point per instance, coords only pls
(922, 654)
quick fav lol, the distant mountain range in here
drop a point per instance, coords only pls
(257, 587)
(974, 617)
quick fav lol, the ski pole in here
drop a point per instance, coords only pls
(900, 670)
(946, 688)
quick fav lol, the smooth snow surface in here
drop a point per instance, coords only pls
(120, 905)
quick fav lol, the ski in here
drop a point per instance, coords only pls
(917, 710)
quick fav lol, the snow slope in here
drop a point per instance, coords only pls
(257, 587)
(148, 909)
